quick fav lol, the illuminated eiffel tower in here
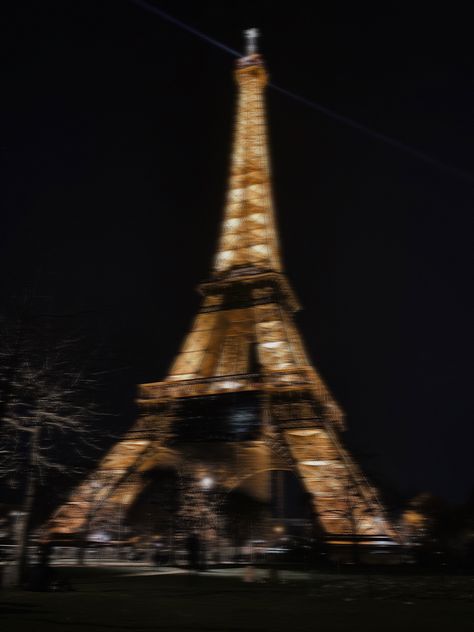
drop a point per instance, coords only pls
(241, 398)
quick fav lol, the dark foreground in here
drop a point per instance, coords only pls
(123, 599)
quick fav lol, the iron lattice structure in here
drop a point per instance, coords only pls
(243, 347)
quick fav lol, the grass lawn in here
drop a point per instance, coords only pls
(111, 599)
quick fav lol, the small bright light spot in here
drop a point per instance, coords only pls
(99, 536)
(207, 482)
(230, 384)
(303, 433)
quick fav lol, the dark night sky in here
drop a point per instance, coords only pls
(115, 140)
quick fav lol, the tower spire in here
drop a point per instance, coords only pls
(251, 36)
(248, 234)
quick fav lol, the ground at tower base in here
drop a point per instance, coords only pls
(142, 598)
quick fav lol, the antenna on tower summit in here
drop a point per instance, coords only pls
(251, 36)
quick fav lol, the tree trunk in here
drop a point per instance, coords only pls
(25, 519)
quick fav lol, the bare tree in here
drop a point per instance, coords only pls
(46, 415)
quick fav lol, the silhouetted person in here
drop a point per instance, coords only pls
(44, 554)
(41, 575)
(193, 546)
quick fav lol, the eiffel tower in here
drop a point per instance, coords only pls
(242, 398)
